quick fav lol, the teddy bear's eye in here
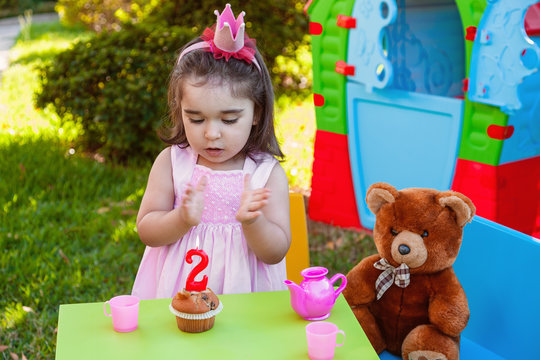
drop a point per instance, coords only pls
(393, 232)
(424, 234)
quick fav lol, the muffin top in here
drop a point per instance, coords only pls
(195, 302)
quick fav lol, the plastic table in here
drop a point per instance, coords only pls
(251, 326)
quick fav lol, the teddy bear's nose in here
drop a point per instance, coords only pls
(404, 249)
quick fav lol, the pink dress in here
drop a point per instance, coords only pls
(232, 267)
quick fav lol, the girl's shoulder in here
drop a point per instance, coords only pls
(263, 157)
(173, 160)
(181, 155)
(163, 160)
(260, 165)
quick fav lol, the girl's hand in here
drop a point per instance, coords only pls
(193, 202)
(251, 203)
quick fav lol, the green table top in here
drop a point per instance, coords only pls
(251, 326)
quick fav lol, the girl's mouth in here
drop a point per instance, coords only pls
(213, 151)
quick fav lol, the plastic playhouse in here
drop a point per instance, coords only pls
(441, 94)
(427, 93)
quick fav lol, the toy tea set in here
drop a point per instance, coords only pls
(313, 300)
(196, 305)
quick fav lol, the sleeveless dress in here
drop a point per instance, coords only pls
(232, 266)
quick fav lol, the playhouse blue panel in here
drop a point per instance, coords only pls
(498, 267)
(402, 138)
(502, 55)
(525, 142)
(365, 51)
(426, 47)
(468, 350)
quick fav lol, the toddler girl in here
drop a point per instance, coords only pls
(219, 185)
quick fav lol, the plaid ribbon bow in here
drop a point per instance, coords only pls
(400, 276)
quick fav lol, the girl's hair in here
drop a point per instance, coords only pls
(244, 80)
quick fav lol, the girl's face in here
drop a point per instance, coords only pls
(217, 124)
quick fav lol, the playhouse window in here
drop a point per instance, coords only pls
(426, 47)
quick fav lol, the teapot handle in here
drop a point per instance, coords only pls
(343, 283)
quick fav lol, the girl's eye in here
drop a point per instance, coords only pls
(424, 234)
(393, 232)
(196, 121)
(229, 121)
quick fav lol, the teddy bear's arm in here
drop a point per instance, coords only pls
(361, 279)
(448, 308)
(360, 293)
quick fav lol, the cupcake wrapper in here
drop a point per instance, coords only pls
(206, 315)
(195, 326)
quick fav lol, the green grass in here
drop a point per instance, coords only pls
(68, 235)
(20, 81)
(67, 220)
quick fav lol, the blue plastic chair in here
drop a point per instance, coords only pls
(498, 268)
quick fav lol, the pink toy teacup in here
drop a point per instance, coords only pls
(124, 312)
(321, 340)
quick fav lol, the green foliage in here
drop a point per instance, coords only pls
(279, 28)
(18, 7)
(20, 81)
(292, 74)
(104, 15)
(115, 87)
(274, 25)
(295, 128)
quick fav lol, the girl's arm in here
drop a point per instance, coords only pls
(158, 223)
(264, 214)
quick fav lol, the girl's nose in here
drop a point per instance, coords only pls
(212, 131)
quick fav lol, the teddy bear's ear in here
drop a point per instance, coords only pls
(460, 204)
(379, 194)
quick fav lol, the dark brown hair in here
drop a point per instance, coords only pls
(244, 80)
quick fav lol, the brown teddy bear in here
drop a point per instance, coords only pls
(407, 297)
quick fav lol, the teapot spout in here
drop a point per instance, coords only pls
(297, 298)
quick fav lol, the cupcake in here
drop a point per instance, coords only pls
(195, 310)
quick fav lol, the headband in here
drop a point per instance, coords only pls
(226, 39)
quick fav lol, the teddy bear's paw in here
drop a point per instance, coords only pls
(426, 355)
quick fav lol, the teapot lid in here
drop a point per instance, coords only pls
(314, 272)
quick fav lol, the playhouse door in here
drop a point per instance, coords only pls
(404, 112)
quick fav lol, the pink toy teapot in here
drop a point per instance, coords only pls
(315, 296)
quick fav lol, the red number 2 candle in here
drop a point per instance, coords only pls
(191, 284)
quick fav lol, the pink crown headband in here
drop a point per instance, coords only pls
(226, 39)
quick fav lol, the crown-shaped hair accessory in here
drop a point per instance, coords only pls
(230, 31)
(227, 38)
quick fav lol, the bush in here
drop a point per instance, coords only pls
(275, 25)
(279, 27)
(18, 7)
(115, 87)
(103, 15)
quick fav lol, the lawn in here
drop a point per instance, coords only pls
(67, 220)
